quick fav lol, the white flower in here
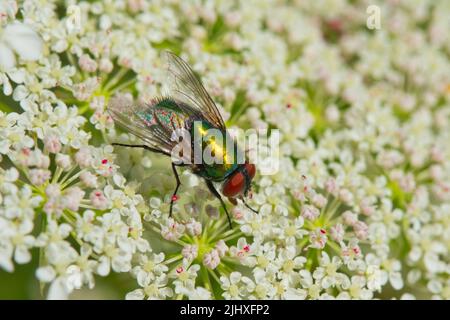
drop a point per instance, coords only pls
(114, 257)
(185, 276)
(87, 64)
(194, 227)
(18, 38)
(211, 259)
(190, 252)
(63, 161)
(89, 179)
(150, 266)
(39, 176)
(337, 232)
(156, 289)
(221, 248)
(98, 200)
(236, 286)
(7, 179)
(173, 230)
(374, 275)
(243, 252)
(318, 238)
(357, 289)
(327, 273)
(198, 293)
(73, 197)
(16, 241)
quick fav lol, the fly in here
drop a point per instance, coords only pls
(189, 107)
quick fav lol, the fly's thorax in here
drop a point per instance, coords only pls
(214, 150)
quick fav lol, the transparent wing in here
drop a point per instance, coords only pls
(129, 116)
(184, 84)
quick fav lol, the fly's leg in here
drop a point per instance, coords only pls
(217, 195)
(143, 146)
(174, 195)
(245, 204)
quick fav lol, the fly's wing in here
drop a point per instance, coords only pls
(154, 123)
(187, 87)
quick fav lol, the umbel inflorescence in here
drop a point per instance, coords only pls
(358, 210)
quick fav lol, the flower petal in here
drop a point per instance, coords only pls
(7, 59)
(22, 255)
(45, 274)
(24, 41)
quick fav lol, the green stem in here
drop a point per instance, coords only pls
(219, 233)
(57, 174)
(239, 234)
(115, 79)
(71, 179)
(41, 252)
(332, 210)
(236, 115)
(174, 259)
(214, 275)
(124, 85)
(67, 175)
(206, 279)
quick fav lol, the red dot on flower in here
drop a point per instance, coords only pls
(335, 24)
(175, 197)
(104, 161)
(246, 248)
(289, 106)
(180, 269)
(98, 193)
(356, 250)
(322, 231)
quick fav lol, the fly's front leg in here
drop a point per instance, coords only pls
(218, 196)
(245, 204)
(174, 195)
(143, 146)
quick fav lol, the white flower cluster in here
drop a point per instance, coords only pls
(359, 209)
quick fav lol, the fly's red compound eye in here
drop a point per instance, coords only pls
(251, 170)
(234, 186)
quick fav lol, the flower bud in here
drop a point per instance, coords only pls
(63, 161)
